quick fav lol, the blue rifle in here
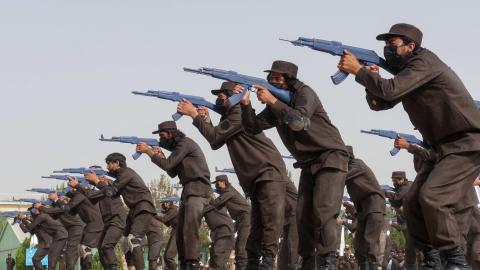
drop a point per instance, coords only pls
(176, 96)
(65, 177)
(83, 170)
(246, 81)
(29, 200)
(365, 56)
(169, 199)
(387, 188)
(40, 190)
(227, 170)
(393, 135)
(46, 191)
(133, 140)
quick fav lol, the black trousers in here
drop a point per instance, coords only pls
(319, 202)
(75, 234)
(55, 251)
(137, 226)
(189, 221)
(37, 258)
(171, 251)
(268, 210)
(220, 252)
(154, 247)
(433, 218)
(107, 242)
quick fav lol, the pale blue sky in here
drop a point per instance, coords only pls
(67, 69)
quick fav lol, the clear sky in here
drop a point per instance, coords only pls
(67, 69)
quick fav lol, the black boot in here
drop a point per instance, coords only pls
(455, 259)
(267, 263)
(327, 261)
(432, 260)
(308, 263)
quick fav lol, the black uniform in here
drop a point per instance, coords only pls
(188, 163)
(288, 255)
(139, 200)
(239, 210)
(90, 215)
(221, 234)
(44, 242)
(74, 226)
(321, 153)
(55, 230)
(155, 238)
(114, 218)
(363, 187)
(443, 111)
(262, 175)
(170, 219)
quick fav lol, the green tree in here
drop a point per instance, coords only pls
(20, 256)
(161, 188)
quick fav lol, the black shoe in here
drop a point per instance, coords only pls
(267, 263)
(455, 259)
(327, 261)
(432, 260)
(308, 263)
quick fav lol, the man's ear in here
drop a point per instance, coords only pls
(411, 46)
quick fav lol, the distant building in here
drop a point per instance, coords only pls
(13, 206)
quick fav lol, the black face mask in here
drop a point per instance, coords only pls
(397, 186)
(220, 104)
(168, 144)
(392, 58)
(279, 86)
(113, 174)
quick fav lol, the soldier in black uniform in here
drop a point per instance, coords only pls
(72, 223)
(396, 199)
(90, 215)
(239, 210)
(168, 216)
(188, 163)
(50, 226)
(316, 144)
(114, 218)
(222, 236)
(44, 242)
(443, 111)
(260, 170)
(136, 196)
